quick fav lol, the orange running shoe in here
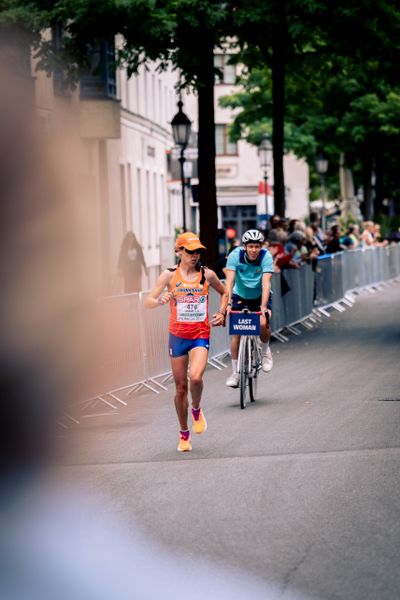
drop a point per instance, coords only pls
(184, 442)
(199, 421)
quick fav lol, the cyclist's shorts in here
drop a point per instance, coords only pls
(254, 305)
(179, 346)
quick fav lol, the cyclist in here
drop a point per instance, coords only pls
(189, 329)
(248, 281)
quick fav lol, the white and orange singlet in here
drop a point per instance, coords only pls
(189, 306)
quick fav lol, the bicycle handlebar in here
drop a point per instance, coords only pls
(247, 311)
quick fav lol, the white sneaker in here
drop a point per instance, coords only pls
(267, 362)
(233, 380)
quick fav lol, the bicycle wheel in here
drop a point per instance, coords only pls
(255, 368)
(243, 370)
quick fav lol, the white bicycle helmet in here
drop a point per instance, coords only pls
(252, 235)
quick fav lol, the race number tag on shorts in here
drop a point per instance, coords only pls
(244, 324)
(191, 309)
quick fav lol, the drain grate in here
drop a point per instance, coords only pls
(389, 400)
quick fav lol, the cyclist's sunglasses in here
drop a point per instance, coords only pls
(198, 251)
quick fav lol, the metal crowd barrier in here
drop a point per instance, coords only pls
(331, 276)
(137, 356)
(154, 329)
(341, 275)
(219, 339)
(292, 303)
(278, 320)
(120, 364)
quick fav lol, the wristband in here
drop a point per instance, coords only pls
(159, 300)
(229, 304)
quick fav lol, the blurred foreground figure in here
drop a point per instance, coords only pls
(57, 542)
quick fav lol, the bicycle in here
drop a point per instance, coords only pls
(250, 352)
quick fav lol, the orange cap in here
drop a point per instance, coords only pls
(190, 241)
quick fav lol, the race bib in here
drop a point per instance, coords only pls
(191, 309)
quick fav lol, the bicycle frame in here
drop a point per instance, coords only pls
(249, 362)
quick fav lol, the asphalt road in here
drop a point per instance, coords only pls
(301, 488)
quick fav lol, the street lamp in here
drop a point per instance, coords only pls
(181, 128)
(188, 172)
(264, 155)
(321, 164)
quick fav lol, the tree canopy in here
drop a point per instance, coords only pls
(339, 96)
(317, 75)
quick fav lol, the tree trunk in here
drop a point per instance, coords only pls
(279, 50)
(206, 159)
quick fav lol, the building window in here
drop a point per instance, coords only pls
(61, 85)
(223, 145)
(99, 81)
(225, 73)
(239, 218)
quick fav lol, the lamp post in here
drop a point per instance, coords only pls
(264, 155)
(187, 172)
(321, 164)
(181, 128)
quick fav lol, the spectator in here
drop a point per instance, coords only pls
(319, 235)
(300, 226)
(313, 243)
(282, 260)
(282, 230)
(334, 244)
(235, 243)
(377, 236)
(294, 246)
(315, 223)
(350, 240)
(296, 225)
(130, 263)
(291, 225)
(274, 222)
(367, 236)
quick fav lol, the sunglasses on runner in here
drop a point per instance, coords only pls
(198, 251)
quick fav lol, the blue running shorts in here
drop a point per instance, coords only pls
(180, 346)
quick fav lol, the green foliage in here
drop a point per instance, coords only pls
(342, 81)
(388, 224)
(341, 96)
(346, 221)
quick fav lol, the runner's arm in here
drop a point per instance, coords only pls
(156, 297)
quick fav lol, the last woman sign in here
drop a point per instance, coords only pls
(244, 324)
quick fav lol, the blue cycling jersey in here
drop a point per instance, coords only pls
(248, 279)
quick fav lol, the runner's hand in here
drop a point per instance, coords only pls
(218, 319)
(165, 298)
